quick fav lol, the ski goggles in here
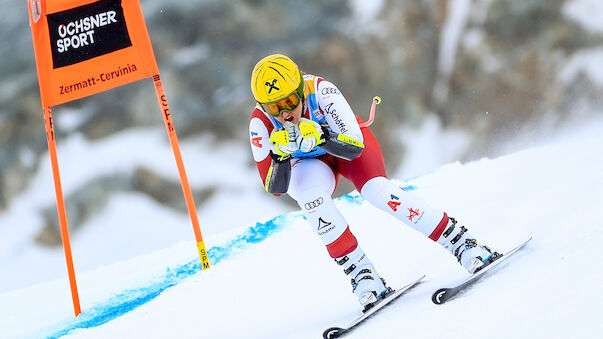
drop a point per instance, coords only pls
(287, 104)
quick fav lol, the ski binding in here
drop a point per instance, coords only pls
(336, 332)
(444, 294)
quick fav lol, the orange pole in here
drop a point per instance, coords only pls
(52, 150)
(186, 189)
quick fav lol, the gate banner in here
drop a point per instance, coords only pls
(84, 47)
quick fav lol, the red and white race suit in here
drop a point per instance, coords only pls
(314, 175)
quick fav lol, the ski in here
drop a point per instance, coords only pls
(444, 294)
(336, 332)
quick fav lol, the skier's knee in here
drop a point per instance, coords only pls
(309, 197)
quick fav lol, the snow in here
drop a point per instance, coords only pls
(586, 62)
(130, 224)
(274, 279)
(366, 11)
(456, 19)
(587, 13)
(451, 32)
(429, 147)
(191, 55)
(365, 21)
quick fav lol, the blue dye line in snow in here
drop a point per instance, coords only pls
(131, 299)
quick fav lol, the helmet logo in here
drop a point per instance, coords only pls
(272, 85)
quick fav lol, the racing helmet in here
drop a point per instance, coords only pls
(277, 84)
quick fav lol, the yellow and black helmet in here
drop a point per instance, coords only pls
(274, 78)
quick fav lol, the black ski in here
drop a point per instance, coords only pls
(444, 294)
(336, 332)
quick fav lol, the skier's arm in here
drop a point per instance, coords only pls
(271, 152)
(282, 144)
(273, 173)
(341, 145)
(336, 144)
(342, 136)
(278, 176)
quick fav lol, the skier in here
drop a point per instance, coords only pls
(303, 136)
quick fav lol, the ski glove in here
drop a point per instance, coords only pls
(310, 135)
(283, 142)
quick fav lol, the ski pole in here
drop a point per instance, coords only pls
(376, 101)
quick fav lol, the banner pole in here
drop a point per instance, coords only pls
(52, 150)
(186, 189)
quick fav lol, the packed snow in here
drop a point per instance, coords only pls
(130, 223)
(274, 279)
(585, 12)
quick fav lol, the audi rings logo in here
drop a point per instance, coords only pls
(329, 90)
(313, 204)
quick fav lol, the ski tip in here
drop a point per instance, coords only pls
(417, 281)
(438, 296)
(333, 332)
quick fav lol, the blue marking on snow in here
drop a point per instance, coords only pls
(131, 299)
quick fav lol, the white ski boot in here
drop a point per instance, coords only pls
(465, 248)
(366, 283)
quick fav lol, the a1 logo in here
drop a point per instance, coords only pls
(393, 203)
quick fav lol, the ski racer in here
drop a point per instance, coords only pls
(304, 136)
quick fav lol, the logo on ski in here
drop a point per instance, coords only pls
(394, 204)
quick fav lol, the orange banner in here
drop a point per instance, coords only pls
(84, 47)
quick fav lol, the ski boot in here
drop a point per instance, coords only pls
(469, 253)
(366, 283)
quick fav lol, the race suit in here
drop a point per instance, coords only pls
(314, 175)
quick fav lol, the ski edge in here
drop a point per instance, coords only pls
(442, 295)
(336, 332)
(386, 301)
